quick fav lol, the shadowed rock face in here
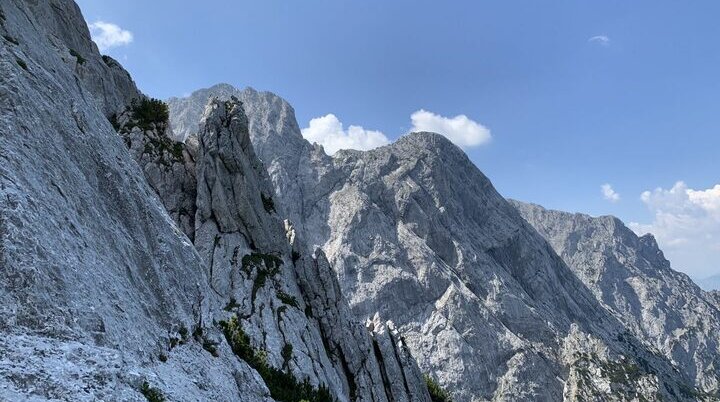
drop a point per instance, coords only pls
(102, 294)
(632, 279)
(415, 232)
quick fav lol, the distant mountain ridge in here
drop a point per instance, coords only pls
(709, 283)
(416, 232)
(245, 264)
(631, 277)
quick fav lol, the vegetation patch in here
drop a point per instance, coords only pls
(11, 40)
(109, 61)
(77, 56)
(283, 385)
(113, 119)
(151, 394)
(210, 346)
(183, 331)
(163, 146)
(268, 203)
(232, 304)
(21, 63)
(437, 393)
(149, 112)
(286, 353)
(287, 299)
(266, 265)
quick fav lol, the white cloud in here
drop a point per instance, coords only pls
(108, 35)
(608, 193)
(686, 223)
(601, 40)
(328, 131)
(461, 130)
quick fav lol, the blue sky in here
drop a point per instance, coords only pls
(637, 110)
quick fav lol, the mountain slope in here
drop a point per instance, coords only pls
(97, 283)
(631, 277)
(415, 232)
(104, 296)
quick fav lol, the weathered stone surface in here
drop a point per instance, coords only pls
(102, 293)
(286, 297)
(417, 234)
(95, 280)
(100, 288)
(168, 166)
(630, 276)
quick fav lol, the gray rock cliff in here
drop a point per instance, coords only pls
(417, 234)
(102, 293)
(290, 297)
(630, 276)
(97, 285)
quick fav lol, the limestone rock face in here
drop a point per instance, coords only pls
(291, 162)
(630, 277)
(102, 293)
(416, 234)
(168, 166)
(97, 283)
(68, 39)
(283, 296)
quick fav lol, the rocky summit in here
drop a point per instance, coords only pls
(200, 249)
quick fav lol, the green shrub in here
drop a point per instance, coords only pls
(267, 266)
(211, 347)
(271, 262)
(149, 111)
(183, 331)
(162, 357)
(437, 393)
(21, 63)
(151, 394)
(286, 353)
(283, 386)
(78, 56)
(268, 203)
(287, 299)
(231, 305)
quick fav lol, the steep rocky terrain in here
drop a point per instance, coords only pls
(246, 264)
(287, 300)
(415, 232)
(104, 296)
(97, 284)
(632, 279)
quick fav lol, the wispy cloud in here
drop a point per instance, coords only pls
(108, 35)
(686, 223)
(460, 129)
(328, 131)
(609, 194)
(601, 40)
